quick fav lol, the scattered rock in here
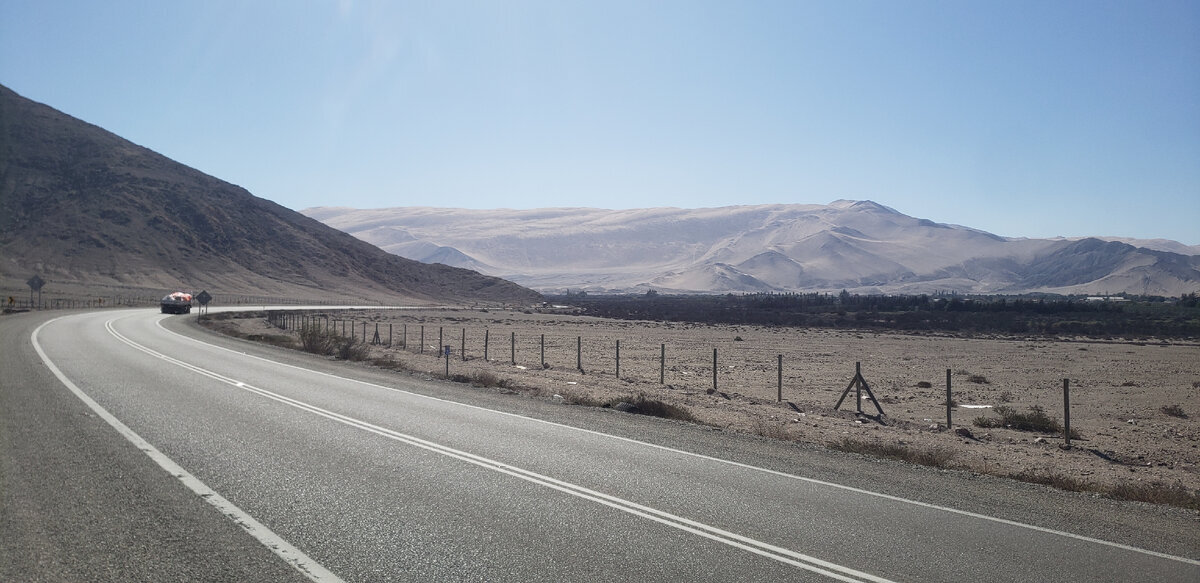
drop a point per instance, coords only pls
(963, 432)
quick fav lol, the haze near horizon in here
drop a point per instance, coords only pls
(1024, 119)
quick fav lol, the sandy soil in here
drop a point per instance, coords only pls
(1117, 389)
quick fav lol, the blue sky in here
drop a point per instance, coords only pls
(1034, 119)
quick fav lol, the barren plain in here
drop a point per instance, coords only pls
(1134, 404)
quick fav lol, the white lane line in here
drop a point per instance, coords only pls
(282, 548)
(783, 555)
(741, 465)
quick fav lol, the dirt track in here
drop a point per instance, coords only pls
(1118, 390)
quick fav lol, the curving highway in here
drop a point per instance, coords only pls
(135, 446)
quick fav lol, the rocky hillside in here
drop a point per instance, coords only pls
(82, 206)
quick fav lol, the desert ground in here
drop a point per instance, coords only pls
(1134, 404)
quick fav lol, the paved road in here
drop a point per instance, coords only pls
(138, 447)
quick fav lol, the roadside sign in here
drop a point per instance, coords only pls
(35, 285)
(203, 297)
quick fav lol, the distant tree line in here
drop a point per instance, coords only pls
(1027, 315)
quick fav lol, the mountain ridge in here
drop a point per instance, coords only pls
(862, 246)
(84, 206)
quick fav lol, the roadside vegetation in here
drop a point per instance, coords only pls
(1151, 492)
(1049, 315)
(1035, 420)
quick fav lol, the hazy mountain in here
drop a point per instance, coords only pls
(82, 206)
(861, 246)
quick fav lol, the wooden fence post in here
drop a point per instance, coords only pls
(779, 385)
(858, 386)
(513, 347)
(579, 353)
(543, 349)
(463, 346)
(949, 399)
(618, 359)
(714, 369)
(486, 334)
(1067, 412)
(662, 364)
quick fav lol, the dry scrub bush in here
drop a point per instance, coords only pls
(934, 457)
(1035, 420)
(313, 339)
(1174, 411)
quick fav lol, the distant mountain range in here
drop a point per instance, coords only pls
(860, 246)
(82, 207)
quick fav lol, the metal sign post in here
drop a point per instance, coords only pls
(35, 285)
(204, 297)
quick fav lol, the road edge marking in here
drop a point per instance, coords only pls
(291, 555)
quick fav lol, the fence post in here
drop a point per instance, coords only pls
(949, 399)
(662, 364)
(404, 336)
(389, 335)
(779, 386)
(714, 369)
(422, 347)
(513, 347)
(486, 333)
(579, 353)
(440, 345)
(463, 346)
(858, 385)
(543, 348)
(1067, 412)
(618, 359)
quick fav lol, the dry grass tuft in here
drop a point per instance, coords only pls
(1174, 411)
(652, 407)
(933, 457)
(1150, 492)
(1035, 420)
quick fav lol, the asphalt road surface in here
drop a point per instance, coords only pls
(135, 446)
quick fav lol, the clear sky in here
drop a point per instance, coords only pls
(1023, 118)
